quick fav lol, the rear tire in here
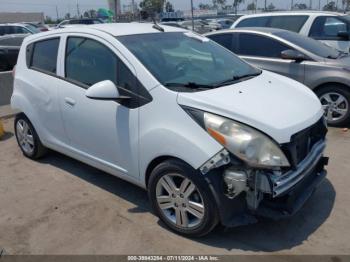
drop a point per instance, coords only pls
(27, 138)
(335, 100)
(185, 203)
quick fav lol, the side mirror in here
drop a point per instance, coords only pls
(104, 90)
(344, 35)
(293, 55)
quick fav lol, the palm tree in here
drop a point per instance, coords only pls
(236, 3)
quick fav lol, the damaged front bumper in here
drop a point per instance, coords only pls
(243, 195)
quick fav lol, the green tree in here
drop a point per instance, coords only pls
(169, 7)
(300, 6)
(331, 6)
(236, 4)
(221, 3)
(346, 4)
(251, 6)
(271, 7)
(204, 6)
(152, 7)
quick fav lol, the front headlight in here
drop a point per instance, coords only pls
(244, 142)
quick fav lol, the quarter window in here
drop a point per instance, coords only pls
(44, 55)
(267, 47)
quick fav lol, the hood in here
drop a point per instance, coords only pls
(341, 62)
(273, 104)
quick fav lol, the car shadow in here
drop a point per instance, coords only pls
(266, 235)
(6, 136)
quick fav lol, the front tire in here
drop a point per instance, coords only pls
(335, 100)
(182, 199)
(27, 138)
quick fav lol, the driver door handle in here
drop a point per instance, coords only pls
(69, 101)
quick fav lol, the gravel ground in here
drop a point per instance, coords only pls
(61, 206)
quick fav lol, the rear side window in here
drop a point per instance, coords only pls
(254, 22)
(44, 55)
(267, 47)
(2, 30)
(292, 23)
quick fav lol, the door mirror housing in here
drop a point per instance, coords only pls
(344, 35)
(104, 90)
(293, 55)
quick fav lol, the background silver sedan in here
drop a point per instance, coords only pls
(322, 68)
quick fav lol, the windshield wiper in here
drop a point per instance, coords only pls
(234, 79)
(191, 85)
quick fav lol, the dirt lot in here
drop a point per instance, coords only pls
(61, 206)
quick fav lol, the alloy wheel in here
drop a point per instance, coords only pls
(180, 201)
(25, 136)
(335, 106)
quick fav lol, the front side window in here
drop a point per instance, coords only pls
(44, 55)
(222, 39)
(309, 44)
(186, 59)
(267, 47)
(88, 62)
(328, 27)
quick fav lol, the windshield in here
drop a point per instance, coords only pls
(33, 29)
(309, 44)
(187, 59)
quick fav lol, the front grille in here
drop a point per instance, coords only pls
(303, 141)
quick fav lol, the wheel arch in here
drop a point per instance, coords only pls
(332, 83)
(155, 162)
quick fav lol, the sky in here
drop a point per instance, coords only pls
(65, 6)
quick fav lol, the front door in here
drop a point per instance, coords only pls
(104, 132)
(329, 30)
(265, 53)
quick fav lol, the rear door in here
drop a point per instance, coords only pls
(327, 29)
(268, 55)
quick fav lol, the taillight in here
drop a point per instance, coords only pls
(14, 71)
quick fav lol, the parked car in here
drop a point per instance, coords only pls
(329, 27)
(9, 49)
(175, 24)
(82, 21)
(40, 26)
(324, 69)
(199, 26)
(9, 29)
(209, 136)
(225, 23)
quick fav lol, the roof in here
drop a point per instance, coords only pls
(119, 29)
(266, 30)
(281, 13)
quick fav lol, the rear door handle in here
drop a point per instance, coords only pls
(69, 101)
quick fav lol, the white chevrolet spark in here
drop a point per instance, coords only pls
(210, 137)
